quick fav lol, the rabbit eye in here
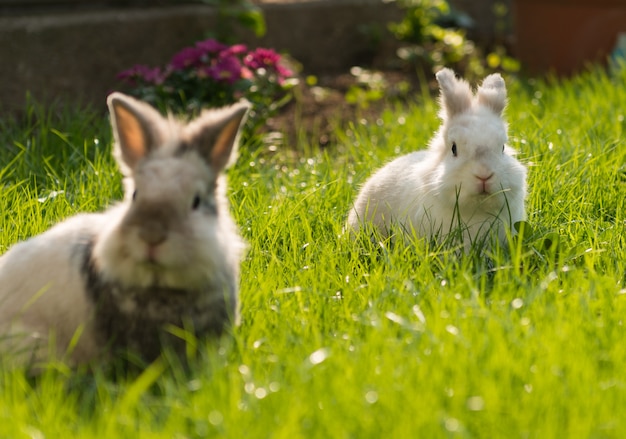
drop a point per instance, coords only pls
(502, 148)
(454, 149)
(134, 194)
(196, 202)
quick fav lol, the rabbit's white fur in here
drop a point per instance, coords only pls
(481, 189)
(172, 234)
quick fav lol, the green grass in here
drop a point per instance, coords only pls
(350, 339)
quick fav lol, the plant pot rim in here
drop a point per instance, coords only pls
(578, 3)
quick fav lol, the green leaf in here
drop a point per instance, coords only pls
(253, 19)
(524, 229)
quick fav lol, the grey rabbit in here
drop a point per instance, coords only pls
(166, 256)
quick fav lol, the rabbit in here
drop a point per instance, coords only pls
(103, 285)
(468, 180)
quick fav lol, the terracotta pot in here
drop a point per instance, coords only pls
(564, 36)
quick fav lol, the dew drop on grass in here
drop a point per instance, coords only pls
(33, 433)
(318, 356)
(249, 388)
(528, 388)
(452, 424)
(194, 385)
(244, 370)
(51, 195)
(274, 386)
(395, 318)
(475, 403)
(517, 303)
(419, 314)
(371, 397)
(260, 393)
(215, 417)
(452, 330)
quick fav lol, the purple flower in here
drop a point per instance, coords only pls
(188, 57)
(142, 73)
(226, 69)
(210, 46)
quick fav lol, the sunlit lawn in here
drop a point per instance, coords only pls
(348, 339)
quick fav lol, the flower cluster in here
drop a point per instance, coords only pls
(212, 74)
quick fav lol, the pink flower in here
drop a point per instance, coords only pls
(261, 58)
(283, 73)
(269, 60)
(246, 73)
(237, 49)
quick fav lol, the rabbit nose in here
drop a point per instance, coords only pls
(483, 182)
(152, 234)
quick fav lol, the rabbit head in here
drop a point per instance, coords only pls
(173, 229)
(476, 170)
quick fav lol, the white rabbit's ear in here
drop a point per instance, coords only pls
(215, 134)
(492, 93)
(137, 128)
(456, 96)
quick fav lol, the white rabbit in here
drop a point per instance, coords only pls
(101, 284)
(467, 180)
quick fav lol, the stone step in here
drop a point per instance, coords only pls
(74, 55)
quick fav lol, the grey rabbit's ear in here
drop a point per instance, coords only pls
(456, 95)
(215, 134)
(137, 128)
(492, 93)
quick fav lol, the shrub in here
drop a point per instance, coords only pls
(433, 37)
(213, 74)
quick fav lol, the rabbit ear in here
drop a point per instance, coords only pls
(492, 93)
(215, 134)
(456, 96)
(137, 128)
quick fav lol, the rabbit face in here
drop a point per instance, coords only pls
(475, 159)
(162, 238)
(174, 229)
